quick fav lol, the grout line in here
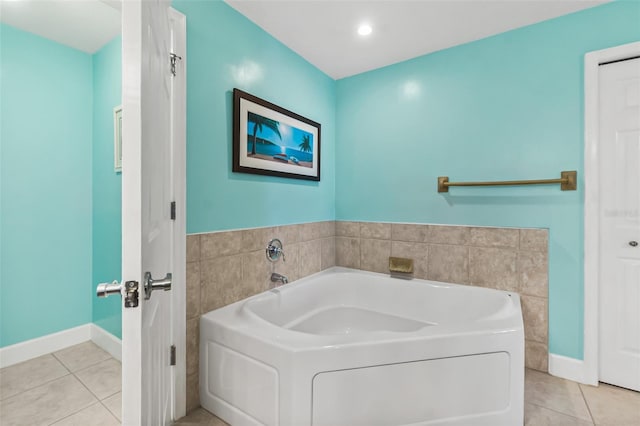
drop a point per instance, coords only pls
(111, 412)
(560, 412)
(587, 404)
(36, 386)
(73, 414)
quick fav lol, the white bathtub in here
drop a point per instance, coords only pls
(349, 348)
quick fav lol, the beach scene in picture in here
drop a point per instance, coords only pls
(271, 140)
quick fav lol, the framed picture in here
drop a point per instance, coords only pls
(117, 138)
(270, 140)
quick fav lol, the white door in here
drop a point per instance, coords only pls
(148, 232)
(619, 301)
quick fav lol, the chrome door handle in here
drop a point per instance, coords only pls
(107, 289)
(150, 284)
(633, 243)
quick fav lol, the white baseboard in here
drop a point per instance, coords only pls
(34, 348)
(24, 351)
(569, 368)
(107, 341)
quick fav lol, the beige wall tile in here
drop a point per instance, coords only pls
(193, 342)
(534, 316)
(374, 255)
(193, 289)
(311, 231)
(256, 273)
(448, 263)
(534, 239)
(220, 282)
(536, 355)
(375, 230)
(193, 392)
(289, 268)
(219, 244)
(416, 251)
(288, 234)
(327, 229)
(493, 268)
(533, 273)
(452, 235)
(310, 258)
(409, 232)
(328, 254)
(495, 237)
(193, 248)
(257, 238)
(348, 252)
(347, 229)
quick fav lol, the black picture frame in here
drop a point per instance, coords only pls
(272, 141)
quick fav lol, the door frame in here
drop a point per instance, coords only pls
(592, 61)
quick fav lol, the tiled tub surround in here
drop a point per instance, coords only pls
(224, 267)
(509, 259)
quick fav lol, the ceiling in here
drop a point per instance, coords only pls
(324, 32)
(321, 31)
(86, 25)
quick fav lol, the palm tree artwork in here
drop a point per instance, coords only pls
(305, 146)
(258, 122)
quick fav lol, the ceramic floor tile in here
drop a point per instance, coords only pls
(103, 379)
(29, 374)
(200, 417)
(81, 356)
(114, 404)
(556, 394)
(540, 416)
(46, 404)
(94, 415)
(612, 406)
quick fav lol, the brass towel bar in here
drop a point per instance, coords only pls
(567, 181)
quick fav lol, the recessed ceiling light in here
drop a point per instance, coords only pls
(364, 29)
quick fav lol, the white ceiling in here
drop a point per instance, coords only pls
(324, 32)
(85, 25)
(321, 31)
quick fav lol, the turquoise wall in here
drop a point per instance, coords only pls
(226, 50)
(107, 185)
(506, 107)
(45, 223)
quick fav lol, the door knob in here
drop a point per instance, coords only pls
(150, 284)
(633, 243)
(107, 289)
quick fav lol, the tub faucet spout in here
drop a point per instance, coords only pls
(275, 278)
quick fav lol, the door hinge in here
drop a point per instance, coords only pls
(173, 210)
(172, 360)
(173, 57)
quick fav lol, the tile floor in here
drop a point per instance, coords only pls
(81, 386)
